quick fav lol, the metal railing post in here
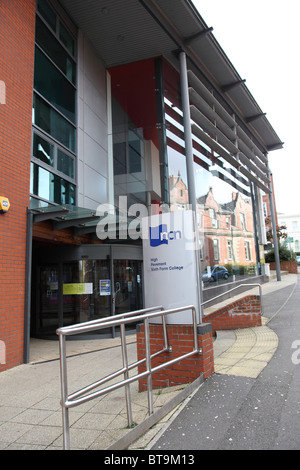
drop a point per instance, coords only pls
(64, 392)
(195, 329)
(148, 366)
(83, 395)
(126, 374)
(164, 326)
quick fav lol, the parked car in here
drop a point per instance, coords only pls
(215, 273)
(298, 259)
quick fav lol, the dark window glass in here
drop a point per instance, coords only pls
(55, 51)
(53, 123)
(65, 164)
(47, 13)
(120, 158)
(51, 187)
(51, 84)
(66, 39)
(43, 150)
(135, 162)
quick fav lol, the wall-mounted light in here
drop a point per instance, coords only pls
(4, 205)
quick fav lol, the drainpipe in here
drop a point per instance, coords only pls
(273, 221)
(185, 101)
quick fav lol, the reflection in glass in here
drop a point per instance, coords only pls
(55, 51)
(224, 205)
(43, 150)
(51, 187)
(53, 123)
(53, 86)
(65, 164)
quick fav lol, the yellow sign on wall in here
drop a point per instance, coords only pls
(4, 205)
(78, 288)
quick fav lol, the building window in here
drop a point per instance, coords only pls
(247, 251)
(54, 86)
(128, 154)
(265, 209)
(200, 220)
(51, 187)
(295, 225)
(216, 250)
(214, 221)
(51, 164)
(229, 249)
(53, 123)
(243, 221)
(53, 176)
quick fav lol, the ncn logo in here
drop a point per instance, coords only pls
(161, 236)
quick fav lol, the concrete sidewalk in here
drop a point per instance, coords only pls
(242, 410)
(30, 412)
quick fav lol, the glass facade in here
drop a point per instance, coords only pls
(225, 212)
(53, 169)
(135, 133)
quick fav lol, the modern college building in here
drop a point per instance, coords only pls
(108, 107)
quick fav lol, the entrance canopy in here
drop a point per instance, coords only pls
(123, 32)
(67, 216)
(83, 221)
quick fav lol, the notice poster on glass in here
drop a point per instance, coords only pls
(104, 286)
(78, 288)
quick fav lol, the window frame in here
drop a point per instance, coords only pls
(71, 52)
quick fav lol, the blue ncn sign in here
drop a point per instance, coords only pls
(161, 236)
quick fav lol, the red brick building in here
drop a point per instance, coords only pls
(89, 113)
(17, 36)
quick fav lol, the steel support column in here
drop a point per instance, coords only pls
(274, 228)
(185, 101)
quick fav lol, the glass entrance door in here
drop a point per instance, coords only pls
(48, 300)
(128, 286)
(71, 292)
(82, 297)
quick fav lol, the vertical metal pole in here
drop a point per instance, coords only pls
(112, 288)
(148, 365)
(28, 286)
(126, 375)
(161, 131)
(274, 231)
(190, 168)
(255, 221)
(64, 392)
(196, 347)
(164, 325)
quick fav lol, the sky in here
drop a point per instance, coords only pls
(261, 38)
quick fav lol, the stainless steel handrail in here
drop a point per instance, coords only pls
(145, 315)
(235, 288)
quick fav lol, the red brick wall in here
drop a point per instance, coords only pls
(243, 313)
(181, 338)
(290, 266)
(17, 29)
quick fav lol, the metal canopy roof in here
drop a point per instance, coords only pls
(82, 221)
(127, 31)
